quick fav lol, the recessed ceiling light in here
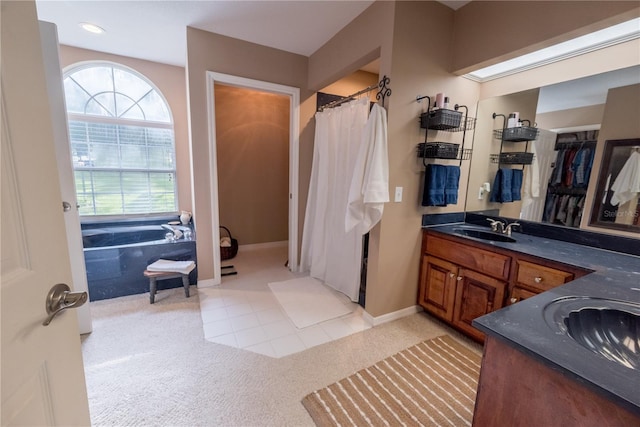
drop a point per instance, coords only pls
(597, 40)
(92, 28)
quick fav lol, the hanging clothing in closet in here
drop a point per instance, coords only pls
(567, 185)
(564, 209)
(573, 167)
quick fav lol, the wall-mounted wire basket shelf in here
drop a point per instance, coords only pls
(440, 119)
(446, 120)
(516, 134)
(512, 158)
(442, 150)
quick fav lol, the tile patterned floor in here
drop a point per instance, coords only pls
(242, 312)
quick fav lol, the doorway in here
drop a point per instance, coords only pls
(294, 105)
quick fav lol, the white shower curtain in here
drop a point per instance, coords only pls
(328, 252)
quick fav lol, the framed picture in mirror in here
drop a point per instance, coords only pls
(615, 203)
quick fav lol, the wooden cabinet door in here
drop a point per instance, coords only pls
(477, 295)
(438, 287)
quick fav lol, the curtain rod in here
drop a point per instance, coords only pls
(347, 98)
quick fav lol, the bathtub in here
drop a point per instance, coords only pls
(116, 255)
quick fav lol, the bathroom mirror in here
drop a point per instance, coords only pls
(616, 198)
(554, 112)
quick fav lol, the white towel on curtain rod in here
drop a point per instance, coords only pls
(328, 252)
(369, 189)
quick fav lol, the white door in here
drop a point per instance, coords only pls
(53, 73)
(42, 373)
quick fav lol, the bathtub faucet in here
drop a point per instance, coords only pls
(177, 234)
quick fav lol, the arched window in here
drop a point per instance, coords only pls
(122, 141)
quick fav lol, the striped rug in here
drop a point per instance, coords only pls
(430, 384)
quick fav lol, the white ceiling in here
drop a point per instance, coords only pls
(156, 31)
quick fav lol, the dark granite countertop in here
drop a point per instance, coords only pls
(616, 276)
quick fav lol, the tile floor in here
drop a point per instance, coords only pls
(242, 312)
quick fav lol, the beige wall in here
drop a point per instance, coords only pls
(252, 140)
(487, 32)
(170, 80)
(583, 116)
(213, 52)
(367, 37)
(420, 57)
(620, 121)
(353, 83)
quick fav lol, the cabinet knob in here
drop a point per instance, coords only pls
(459, 278)
(452, 275)
(514, 300)
(538, 280)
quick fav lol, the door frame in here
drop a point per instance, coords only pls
(294, 142)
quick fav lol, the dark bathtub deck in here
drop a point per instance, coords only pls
(115, 268)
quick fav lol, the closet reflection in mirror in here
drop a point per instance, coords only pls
(568, 178)
(616, 198)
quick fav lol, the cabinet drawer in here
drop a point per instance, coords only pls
(541, 277)
(493, 264)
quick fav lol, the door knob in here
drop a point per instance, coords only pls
(61, 298)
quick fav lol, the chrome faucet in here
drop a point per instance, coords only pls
(500, 226)
(497, 225)
(507, 229)
(177, 234)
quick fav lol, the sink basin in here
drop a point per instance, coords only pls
(609, 328)
(483, 234)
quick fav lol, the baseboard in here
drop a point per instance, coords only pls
(207, 283)
(395, 315)
(266, 245)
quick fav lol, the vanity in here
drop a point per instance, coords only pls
(462, 279)
(516, 295)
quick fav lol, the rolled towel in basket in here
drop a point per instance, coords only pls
(225, 242)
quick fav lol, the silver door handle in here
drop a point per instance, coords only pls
(61, 298)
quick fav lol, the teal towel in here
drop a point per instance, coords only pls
(435, 178)
(451, 185)
(503, 186)
(516, 184)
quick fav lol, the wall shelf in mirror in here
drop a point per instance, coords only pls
(512, 158)
(515, 134)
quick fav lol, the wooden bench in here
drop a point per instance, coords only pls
(154, 276)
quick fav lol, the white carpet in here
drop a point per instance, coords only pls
(307, 301)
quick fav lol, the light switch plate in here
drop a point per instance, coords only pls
(398, 197)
